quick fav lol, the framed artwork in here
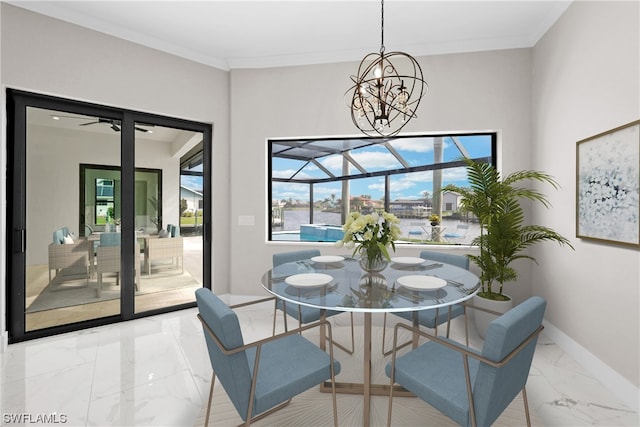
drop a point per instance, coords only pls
(608, 182)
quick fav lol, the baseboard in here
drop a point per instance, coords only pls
(622, 388)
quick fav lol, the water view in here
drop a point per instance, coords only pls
(413, 229)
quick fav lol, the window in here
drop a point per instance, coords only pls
(315, 182)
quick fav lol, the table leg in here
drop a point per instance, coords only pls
(366, 389)
(367, 370)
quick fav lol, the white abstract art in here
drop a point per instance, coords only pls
(608, 194)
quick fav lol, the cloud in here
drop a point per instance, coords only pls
(288, 173)
(282, 190)
(415, 145)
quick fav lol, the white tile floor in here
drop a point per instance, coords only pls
(155, 371)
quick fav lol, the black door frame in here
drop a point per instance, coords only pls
(17, 103)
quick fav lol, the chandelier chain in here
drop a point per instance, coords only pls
(381, 27)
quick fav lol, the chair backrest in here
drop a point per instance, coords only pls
(59, 235)
(495, 388)
(457, 260)
(284, 257)
(232, 370)
(110, 239)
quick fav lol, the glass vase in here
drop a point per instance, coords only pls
(372, 262)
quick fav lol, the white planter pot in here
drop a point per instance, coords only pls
(482, 319)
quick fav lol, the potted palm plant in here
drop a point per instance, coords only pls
(504, 237)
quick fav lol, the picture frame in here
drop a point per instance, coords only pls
(608, 186)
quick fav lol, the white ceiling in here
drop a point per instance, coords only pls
(256, 34)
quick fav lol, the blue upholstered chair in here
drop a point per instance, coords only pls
(471, 387)
(60, 234)
(173, 230)
(435, 317)
(299, 312)
(263, 376)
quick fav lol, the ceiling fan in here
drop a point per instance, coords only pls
(114, 124)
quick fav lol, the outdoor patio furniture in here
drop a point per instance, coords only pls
(69, 258)
(168, 248)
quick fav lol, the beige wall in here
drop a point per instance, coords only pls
(586, 80)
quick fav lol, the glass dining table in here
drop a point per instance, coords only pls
(339, 283)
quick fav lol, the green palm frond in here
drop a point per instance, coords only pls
(503, 235)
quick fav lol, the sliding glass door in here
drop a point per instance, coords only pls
(170, 242)
(101, 227)
(62, 278)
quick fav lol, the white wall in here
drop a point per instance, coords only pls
(468, 92)
(586, 80)
(44, 55)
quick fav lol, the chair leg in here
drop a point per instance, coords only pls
(353, 340)
(384, 334)
(466, 324)
(526, 405)
(99, 287)
(275, 313)
(384, 328)
(213, 381)
(266, 414)
(284, 316)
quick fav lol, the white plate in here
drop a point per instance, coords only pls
(407, 260)
(422, 283)
(327, 258)
(308, 280)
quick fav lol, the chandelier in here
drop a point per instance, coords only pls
(386, 91)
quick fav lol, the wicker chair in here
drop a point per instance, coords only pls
(69, 261)
(163, 249)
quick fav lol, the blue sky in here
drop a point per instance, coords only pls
(416, 151)
(192, 182)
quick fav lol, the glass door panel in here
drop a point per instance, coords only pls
(168, 217)
(68, 209)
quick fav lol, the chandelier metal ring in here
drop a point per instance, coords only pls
(386, 91)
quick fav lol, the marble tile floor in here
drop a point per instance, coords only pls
(155, 371)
